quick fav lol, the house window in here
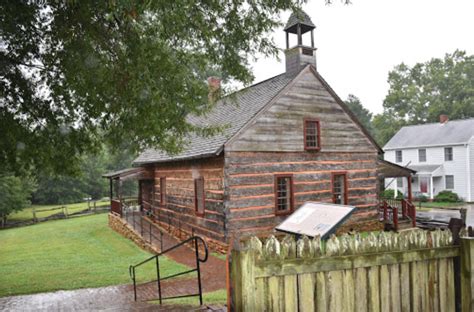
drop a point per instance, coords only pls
(283, 194)
(422, 155)
(199, 204)
(163, 190)
(449, 179)
(398, 156)
(448, 153)
(312, 138)
(339, 188)
(399, 182)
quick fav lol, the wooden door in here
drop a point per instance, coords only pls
(424, 185)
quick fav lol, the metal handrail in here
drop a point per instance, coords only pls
(131, 269)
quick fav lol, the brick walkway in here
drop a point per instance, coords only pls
(113, 298)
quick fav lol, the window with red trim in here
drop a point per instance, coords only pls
(283, 194)
(312, 137)
(339, 188)
(163, 190)
(199, 204)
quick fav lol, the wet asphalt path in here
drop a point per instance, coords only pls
(445, 215)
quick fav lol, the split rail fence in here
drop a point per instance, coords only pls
(409, 271)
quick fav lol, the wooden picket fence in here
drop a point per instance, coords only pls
(408, 271)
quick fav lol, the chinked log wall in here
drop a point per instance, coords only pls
(250, 185)
(179, 207)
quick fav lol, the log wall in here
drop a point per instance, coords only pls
(249, 185)
(179, 209)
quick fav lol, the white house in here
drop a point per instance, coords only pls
(442, 154)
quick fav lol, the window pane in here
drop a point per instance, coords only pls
(422, 155)
(448, 153)
(311, 134)
(339, 190)
(398, 156)
(449, 182)
(283, 194)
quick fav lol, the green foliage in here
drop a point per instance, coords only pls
(390, 193)
(76, 73)
(70, 254)
(421, 93)
(422, 198)
(88, 182)
(447, 196)
(362, 114)
(15, 193)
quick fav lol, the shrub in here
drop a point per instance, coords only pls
(422, 198)
(390, 193)
(447, 196)
(400, 195)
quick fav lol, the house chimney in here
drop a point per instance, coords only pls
(300, 55)
(443, 118)
(214, 84)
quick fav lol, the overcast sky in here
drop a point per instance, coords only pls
(359, 44)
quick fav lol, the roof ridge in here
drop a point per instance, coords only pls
(438, 123)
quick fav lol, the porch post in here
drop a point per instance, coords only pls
(410, 198)
(111, 189)
(431, 187)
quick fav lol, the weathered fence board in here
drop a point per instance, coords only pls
(411, 271)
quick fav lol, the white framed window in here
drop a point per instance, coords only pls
(399, 182)
(398, 156)
(422, 155)
(449, 182)
(448, 153)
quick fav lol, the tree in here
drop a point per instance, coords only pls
(14, 194)
(88, 182)
(363, 115)
(421, 93)
(76, 73)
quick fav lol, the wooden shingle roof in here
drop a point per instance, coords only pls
(232, 112)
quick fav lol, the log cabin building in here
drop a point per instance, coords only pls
(289, 139)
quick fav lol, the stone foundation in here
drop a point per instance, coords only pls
(120, 226)
(181, 234)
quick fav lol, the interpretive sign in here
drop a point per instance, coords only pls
(314, 219)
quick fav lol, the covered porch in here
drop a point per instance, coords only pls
(131, 188)
(396, 213)
(427, 180)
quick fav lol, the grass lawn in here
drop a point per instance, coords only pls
(27, 213)
(214, 297)
(69, 254)
(438, 205)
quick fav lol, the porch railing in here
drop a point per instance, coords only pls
(392, 210)
(139, 223)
